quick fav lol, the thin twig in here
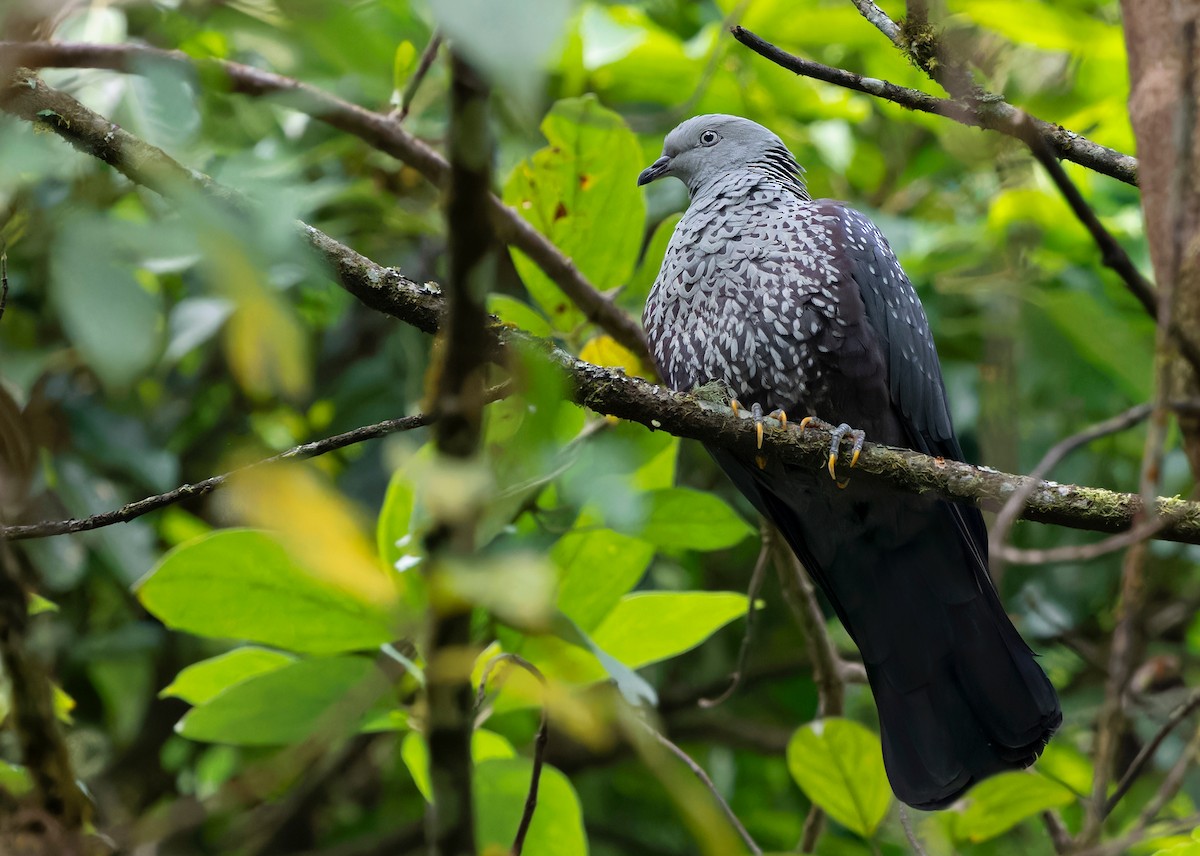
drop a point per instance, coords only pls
(136, 509)
(1143, 757)
(1060, 836)
(756, 580)
(910, 833)
(699, 773)
(995, 115)
(1172, 782)
(3, 282)
(414, 83)
(1011, 510)
(1082, 552)
(539, 743)
(1112, 254)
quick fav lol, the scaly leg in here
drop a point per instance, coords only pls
(839, 433)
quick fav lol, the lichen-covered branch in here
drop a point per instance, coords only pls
(612, 393)
(994, 114)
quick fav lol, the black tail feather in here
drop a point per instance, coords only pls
(959, 693)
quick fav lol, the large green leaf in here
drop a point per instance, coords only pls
(997, 804)
(596, 567)
(501, 789)
(685, 519)
(207, 679)
(243, 584)
(580, 192)
(651, 626)
(838, 764)
(287, 704)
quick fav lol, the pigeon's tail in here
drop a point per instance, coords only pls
(960, 695)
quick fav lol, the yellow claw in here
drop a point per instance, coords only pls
(735, 407)
(783, 419)
(833, 465)
(854, 457)
(804, 422)
(758, 433)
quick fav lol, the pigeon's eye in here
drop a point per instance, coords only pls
(709, 138)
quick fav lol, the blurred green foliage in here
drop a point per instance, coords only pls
(152, 343)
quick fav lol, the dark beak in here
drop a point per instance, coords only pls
(656, 170)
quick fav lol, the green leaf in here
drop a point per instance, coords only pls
(285, 705)
(580, 192)
(685, 519)
(651, 626)
(998, 804)
(485, 745)
(596, 567)
(207, 679)
(838, 764)
(243, 584)
(501, 788)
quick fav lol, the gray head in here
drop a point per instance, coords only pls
(707, 147)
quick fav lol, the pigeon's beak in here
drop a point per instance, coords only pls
(656, 170)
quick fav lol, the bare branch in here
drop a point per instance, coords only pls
(376, 129)
(1011, 510)
(756, 580)
(418, 76)
(133, 510)
(1112, 254)
(994, 115)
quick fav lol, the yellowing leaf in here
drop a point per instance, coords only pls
(318, 525)
(266, 348)
(606, 351)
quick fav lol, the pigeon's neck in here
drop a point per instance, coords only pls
(747, 183)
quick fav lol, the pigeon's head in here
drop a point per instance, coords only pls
(708, 147)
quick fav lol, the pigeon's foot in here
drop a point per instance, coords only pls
(858, 436)
(839, 433)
